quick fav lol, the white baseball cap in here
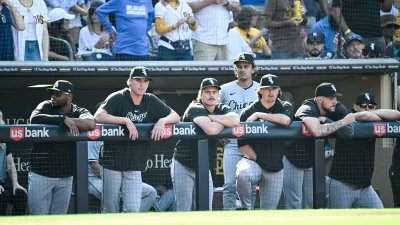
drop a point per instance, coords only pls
(58, 14)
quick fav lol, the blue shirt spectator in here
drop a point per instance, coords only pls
(132, 21)
(64, 4)
(323, 26)
(6, 36)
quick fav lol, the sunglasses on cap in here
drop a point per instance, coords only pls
(58, 93)
(365, 105)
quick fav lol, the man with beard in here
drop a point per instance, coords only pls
(354, 46)
(50, 176)
(212, 117)
(349, 182)
(122, 162)
(299, 156)
(315, 45)
(237, 95)
(262, 160)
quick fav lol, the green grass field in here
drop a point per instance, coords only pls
(292, 217)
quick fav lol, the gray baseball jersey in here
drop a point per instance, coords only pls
(236, 97)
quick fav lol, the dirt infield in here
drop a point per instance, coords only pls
(298, 217)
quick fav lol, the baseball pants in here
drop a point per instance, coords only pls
(166, 201)
(232, 156)
(297, 186)
(184, 179)
(48, 195)
(136, 196)
(345, 196)
(249, 174)
(394, 175)
(95, 187)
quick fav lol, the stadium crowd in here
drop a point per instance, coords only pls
(208, 30)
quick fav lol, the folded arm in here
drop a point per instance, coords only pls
(278, 118)
(230, 119)
(209, 127)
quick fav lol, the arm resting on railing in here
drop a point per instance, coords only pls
(209, 127)
(228, 120)
(346, 132)
(321, 130)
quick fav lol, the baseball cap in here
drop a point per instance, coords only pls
(58, 14)
(245, 57)
(389, 19)
(140, 72)
(365, 97)
(372, 48)
(315, 37)
(355, 37)
(62, 86)
(326, 90)
(269, 80)
(209, 82)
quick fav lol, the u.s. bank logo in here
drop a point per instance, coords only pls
(379, 129)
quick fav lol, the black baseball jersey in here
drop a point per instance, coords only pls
(185, 149)
(121, 156)
(54, 159)
(301, 152)
(269, 152)
(396, 153)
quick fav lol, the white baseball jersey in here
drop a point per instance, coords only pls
(236, 97)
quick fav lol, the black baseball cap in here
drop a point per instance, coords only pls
(245, 57)
(365, 97)
(372, 49)
(269, 80)
(209, 82)
(140, 72)
(62, 86)
(315, 37)
(326, 90)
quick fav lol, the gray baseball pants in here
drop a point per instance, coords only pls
(95, 187)
(48, 196)
(249, 174)
(345, 196)
(232, 156)
(184, 180)
(136, 196)
(297, 186)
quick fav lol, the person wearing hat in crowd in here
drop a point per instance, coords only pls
(349, 182)
(389, 24)
(50, 175)
(237, 94)
(354, 46)
(58, 28)
(212, 117)
(321, 116)
(122, 163)
(315, 45)
(262, 158)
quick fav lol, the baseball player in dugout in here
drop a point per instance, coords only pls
(237, 95)
(121, 161)
(349, 181)
(321, 116)
(212, 117)
(50, 176)
(262, 160)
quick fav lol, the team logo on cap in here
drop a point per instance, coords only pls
(372, 46)
(242, 56)
(367, 96)
(333, 88)
(315, 35)
(270, 80)
(56, 85)
(144, 72)
(212, 82)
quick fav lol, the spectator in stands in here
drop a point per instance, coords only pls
(393, 47)
(262, 159)
(247, 19)
(236, 44)
(350, 183)
(354, 46)
(389, 25)
(31, 44)
(94, 37)
(174, 18)
(315, 45)
(284, 28)
(329, 28)
(76, 8)
(58, 28)
(133, 19)
(122, 165)
(258, 6)
(50, 175)
(210, 40)
(10, 190)
(9, 17)
(165, 200)
(361, 17)
(299, 156)
(212, 117)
